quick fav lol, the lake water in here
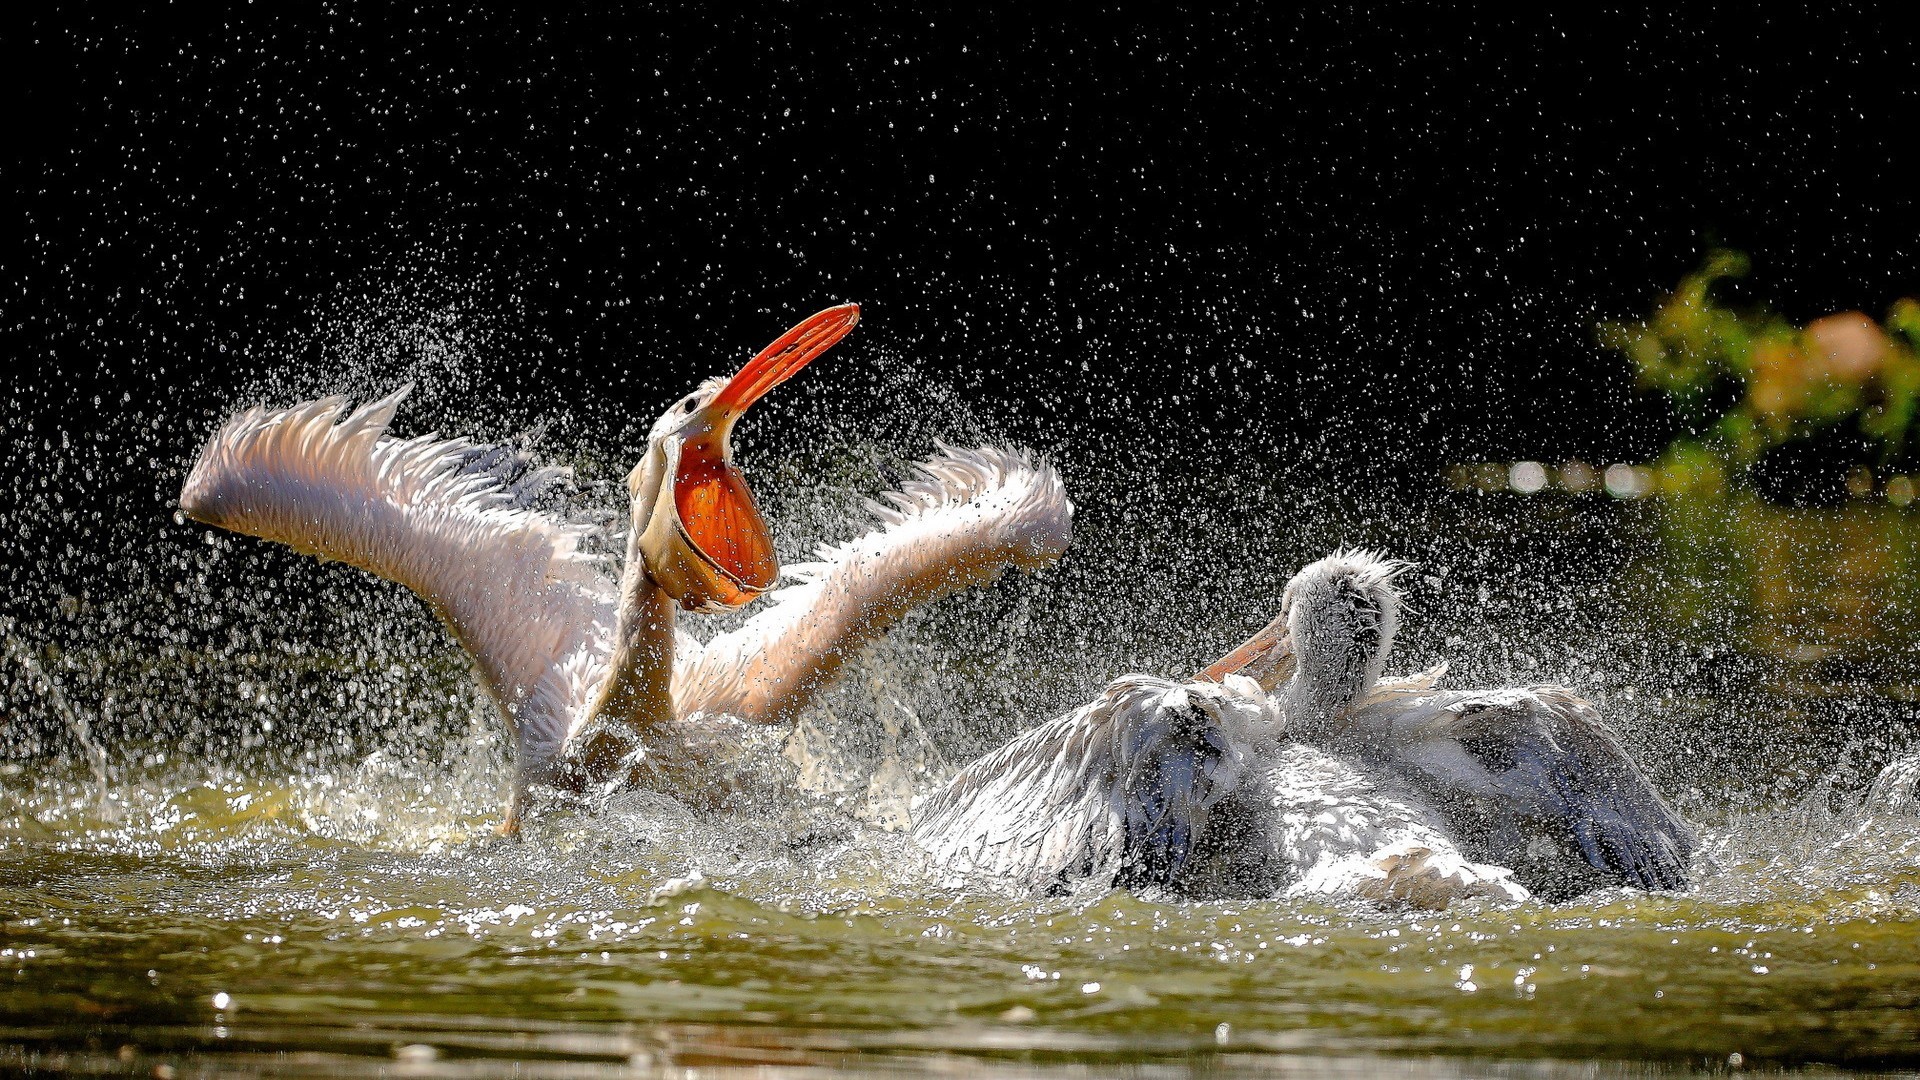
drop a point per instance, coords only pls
(279, 860)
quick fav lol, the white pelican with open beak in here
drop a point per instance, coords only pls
(591, 675)
(1291, 766)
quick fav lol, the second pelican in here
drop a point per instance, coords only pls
(1292, 766)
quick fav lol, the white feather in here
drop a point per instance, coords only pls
(1895, 789)
(1341, 833)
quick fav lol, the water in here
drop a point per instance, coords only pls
(316, 888)
(1252, 278)
(227, 921)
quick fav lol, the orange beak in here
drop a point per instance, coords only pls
(716, 509)
(1266, 658)
(789, 353)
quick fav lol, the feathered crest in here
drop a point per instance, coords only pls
(1369, 571)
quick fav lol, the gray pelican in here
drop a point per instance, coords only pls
(591, 676)
(1292, 767)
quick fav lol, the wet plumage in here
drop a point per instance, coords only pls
(584, 660)
(1323, 780)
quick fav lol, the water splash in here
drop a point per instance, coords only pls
(49, 690)
(303, 773)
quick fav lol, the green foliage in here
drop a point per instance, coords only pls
(1747, 380)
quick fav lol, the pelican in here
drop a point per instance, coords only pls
(1293, 767)
(590, 674)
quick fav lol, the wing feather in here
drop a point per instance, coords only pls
(969, 516)
(1516, 767)
(1117, 792)
(454, 521)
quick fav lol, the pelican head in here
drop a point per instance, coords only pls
(696, 526)
(1337, 621)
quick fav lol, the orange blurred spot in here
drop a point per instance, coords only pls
(1853, 346)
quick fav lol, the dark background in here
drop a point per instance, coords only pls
(1356, 246)
(1112, 219)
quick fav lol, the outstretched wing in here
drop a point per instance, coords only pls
(972, 514)
(1120, 791)
(1536, 764)
(452, 520)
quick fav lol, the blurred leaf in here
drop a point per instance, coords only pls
(1750, 381)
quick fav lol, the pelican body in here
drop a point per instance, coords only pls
(1293, 767)
(588, 669)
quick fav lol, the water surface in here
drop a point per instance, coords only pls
(323, 894)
